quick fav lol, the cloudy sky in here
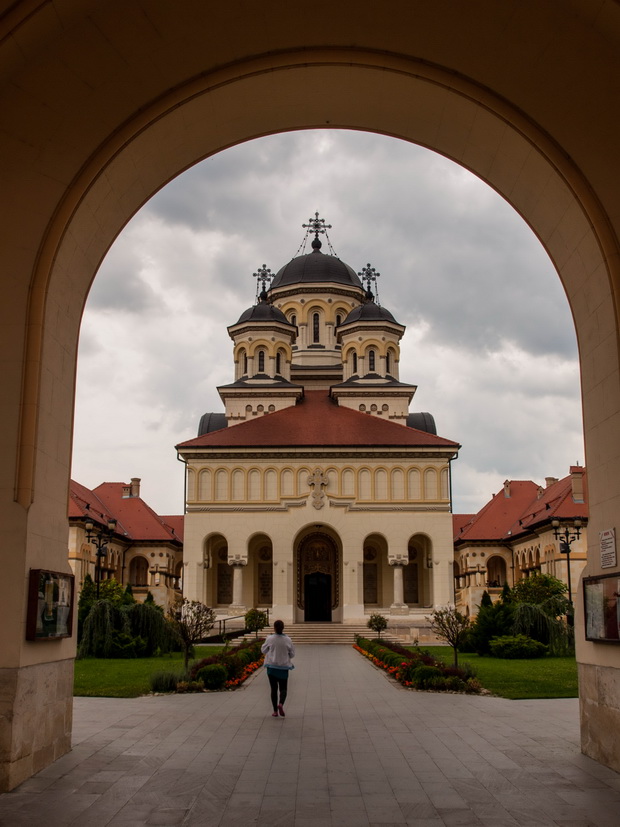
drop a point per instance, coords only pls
(489, 342)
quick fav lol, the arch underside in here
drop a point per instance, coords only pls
(106, 103)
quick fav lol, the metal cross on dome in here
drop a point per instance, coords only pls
(264, 277)
(369, 275)
(316, 225)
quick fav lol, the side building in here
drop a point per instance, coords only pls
(522, 530)
(316, 493)
(137, 546)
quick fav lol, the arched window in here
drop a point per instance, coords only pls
(354, 362)
(338, 319)
(387, 362)
(371, 361)
(261, 361)
(293, 319)
(279, 363)
(245, 363)
(315, 327)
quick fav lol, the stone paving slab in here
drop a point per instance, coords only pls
(355, 750)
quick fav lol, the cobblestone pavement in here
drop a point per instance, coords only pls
(355, 749)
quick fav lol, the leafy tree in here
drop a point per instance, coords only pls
(147, 622)
(450, 625)
(255, 620)
(191, 621)
(486, 600)
(538, 588)
(543, 612)
(105, 621)
(113, 591)
(128, 598)
(85, 602)
(377, 623)
(493, 620)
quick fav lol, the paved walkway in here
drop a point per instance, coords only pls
(355, 749)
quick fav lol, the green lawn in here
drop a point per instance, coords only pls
(127, 678)
(519, 679)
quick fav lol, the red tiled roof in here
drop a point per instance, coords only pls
(317, 421)
(526, 508)
(135, 519)
(176, 522)
(84, 503)
(555, 502)
(494, 520)
(459, 521)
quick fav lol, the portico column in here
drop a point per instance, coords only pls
(398, 607)
(237, 607)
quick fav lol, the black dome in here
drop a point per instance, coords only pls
(263, 312)
(369, 312)
(315, 268)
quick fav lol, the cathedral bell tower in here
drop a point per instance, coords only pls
(370, 341)
(263, 342)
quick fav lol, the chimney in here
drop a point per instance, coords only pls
(576, 479)
(126, 491)
(549, 481)
(507, 489)
(135, 486)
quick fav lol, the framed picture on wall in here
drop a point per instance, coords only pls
(50, 605)
(602, 607)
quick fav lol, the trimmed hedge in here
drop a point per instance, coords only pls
(517, 646)
(213, 676)
(418, 669)
(238, 664)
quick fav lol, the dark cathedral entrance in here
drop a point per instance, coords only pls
(317, 578)
(317, 597)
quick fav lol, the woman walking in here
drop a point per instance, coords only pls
(279, 651)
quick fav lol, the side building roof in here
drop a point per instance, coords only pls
(135, 520)
(522, 506)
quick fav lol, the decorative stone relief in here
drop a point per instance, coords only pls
(317, 481)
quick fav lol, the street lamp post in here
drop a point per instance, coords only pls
(566, 536)
(100, 539)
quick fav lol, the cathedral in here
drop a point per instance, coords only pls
(317, 494)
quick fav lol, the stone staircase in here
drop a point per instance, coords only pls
(326, 633)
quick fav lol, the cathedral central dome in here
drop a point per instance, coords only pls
(315, 268)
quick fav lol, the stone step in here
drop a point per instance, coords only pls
(327, 633)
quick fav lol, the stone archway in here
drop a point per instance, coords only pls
(318, 577)
(105, 103)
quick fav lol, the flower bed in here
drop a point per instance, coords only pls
(230, 669)
(417, 669)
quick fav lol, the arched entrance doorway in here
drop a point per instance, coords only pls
(318, 581)
(88, 159)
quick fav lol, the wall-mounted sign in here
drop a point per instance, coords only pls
(608, 548)
(50, 605)
(602, 607)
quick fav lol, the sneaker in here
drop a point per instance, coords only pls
(281, 711)
(274, 714)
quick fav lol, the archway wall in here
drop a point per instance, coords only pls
(102, 104)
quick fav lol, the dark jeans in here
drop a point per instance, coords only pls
(275, 684)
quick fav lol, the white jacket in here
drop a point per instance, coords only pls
(278, 651)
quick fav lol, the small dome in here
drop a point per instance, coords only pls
(315, 268)
(369, 312)
(263, 312)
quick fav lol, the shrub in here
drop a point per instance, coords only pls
(213, 676)
(377, 623)
(518, 646)
(164, 681)
(255, 620)
(189, 686)
(423, 676)
(234, 666)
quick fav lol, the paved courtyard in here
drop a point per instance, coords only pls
(355, 749)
